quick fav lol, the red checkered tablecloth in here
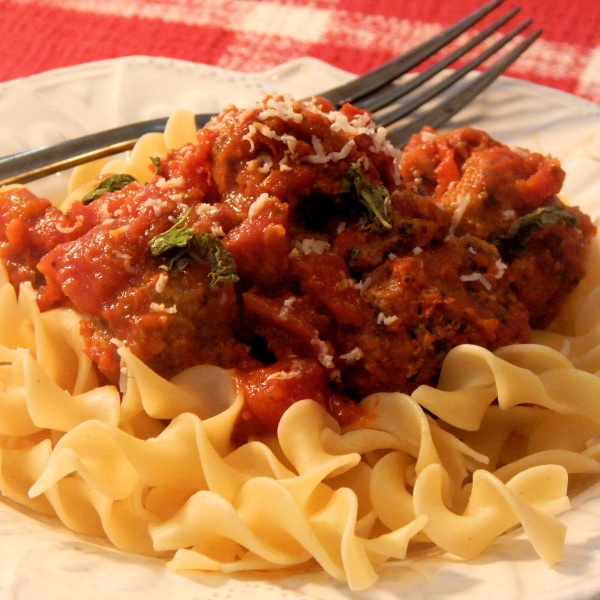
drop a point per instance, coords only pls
(254, 35)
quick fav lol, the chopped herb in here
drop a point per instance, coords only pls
(209, 248)
(155, 160)
(110, 184)
(354, 252)
(180, 244)
(514, 243)
(373, 197)
(177, 237)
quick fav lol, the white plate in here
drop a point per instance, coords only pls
(40, 559)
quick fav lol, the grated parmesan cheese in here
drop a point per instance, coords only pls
(325, 358)
(176, 182)
(258, 205)
(104, 214)
(501, 268)
(126, 258)
(352, 356)
(383, 145)
(382, 319)
(156, 307)
(283, 109)
(265, 130)
(79, 220)
(364, 162)
(286, 307)
(217, 230)
(362, 286)
(320, 157)
(161, 283)
(310, 245)
(345, 282)
(284, 162)
(462, 201)
(396, 171)
(265, 163)
(203, 208)
(284, 375)
(477, 277)
(360, 124)
(156, 204)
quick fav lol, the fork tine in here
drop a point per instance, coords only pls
(396, 67)
(443, 112)
(392, 116)
(385, 97)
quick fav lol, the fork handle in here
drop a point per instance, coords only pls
(32, 164)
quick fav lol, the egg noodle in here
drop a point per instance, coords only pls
(151, 466)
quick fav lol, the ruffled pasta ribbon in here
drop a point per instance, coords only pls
(348, 499)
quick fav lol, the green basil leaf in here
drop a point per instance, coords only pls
(209, 248)
(179, 244)
(177, 236)
(110, 184)
(155, 160)
(373, 197)
(514, 242)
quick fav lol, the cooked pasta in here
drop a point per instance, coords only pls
(152, 462)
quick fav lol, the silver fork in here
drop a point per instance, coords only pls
(371, 91)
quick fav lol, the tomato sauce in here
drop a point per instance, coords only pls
(294, 245)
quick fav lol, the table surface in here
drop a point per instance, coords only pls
(255, 35)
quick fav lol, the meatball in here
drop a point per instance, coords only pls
(507, 197)
(426, 304)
